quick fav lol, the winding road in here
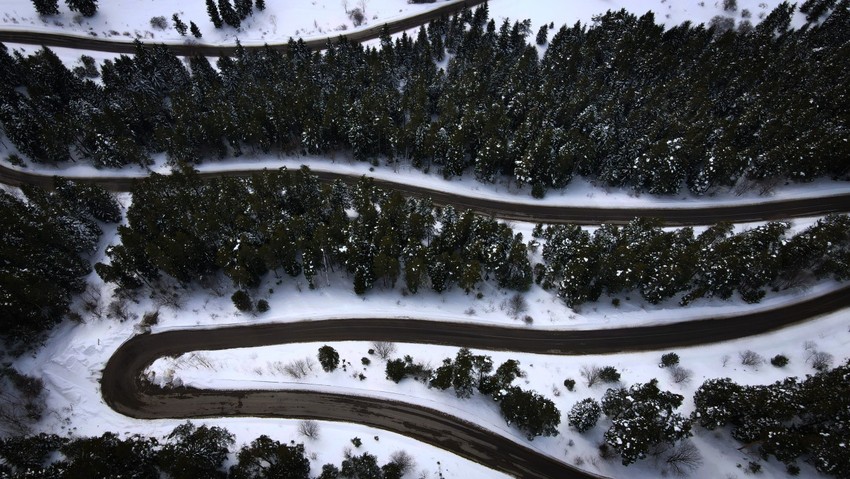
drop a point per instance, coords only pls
(80, 42)
(506, 210)
(126, 392)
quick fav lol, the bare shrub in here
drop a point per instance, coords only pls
(150, 318)
(606, 452)
(515, 305)
(403, 460)
(820, 360)
(751, 358)
(384, 349)
(22, 401)
(117, 309)
(357, 16)
(91, 301)
(159, 23)
(591, 374)
(680, 375)
(725, 360)
(309, 429)
(299, 368)
(682, 459)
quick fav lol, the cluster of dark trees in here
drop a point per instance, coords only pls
(87, 8)
(643, 420)
(22, 401)
(288, 222)
(181, 27)
(622, 101)
(659, 264)
(45, 244)
(189, 452)
(790, 420)
(530, 412)
(232, 14)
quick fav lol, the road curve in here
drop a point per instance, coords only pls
(538, 213)
(125, 392)
(80, 42)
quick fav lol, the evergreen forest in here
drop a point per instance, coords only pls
(621, 102)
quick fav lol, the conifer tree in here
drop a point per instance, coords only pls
(243, 8)
(86, 7)
(179, 25)
(46, 7)
(228, 14)
(196, 32)
(212, 11)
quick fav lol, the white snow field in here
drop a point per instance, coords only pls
(126, 20)
(74, 354)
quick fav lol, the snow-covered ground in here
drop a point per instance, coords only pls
(72, 359)
(126, 20)
(579, 192)
(260, 368)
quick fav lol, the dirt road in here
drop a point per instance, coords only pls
(124, 391)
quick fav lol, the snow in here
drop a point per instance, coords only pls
(579, 192)
(73, 356)
(71, 361)
(125, 20)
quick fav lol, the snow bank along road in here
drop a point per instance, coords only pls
(125, 391)
(703, 215)
(196, 48)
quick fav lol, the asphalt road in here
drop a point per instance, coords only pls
(198, 47)
(703, 215)
(125, 392)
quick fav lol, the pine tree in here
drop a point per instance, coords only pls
(86, 7)
(642, 417)
(179, 25)
(196, 32)
(261, 5)
(193, 452)
(329, 358)
(364, 465)
(243, 8)
(542, 35)
(228, 14)
(212, 11)
(110, 456)
(266, 458)
(46, 7)
(584, 414)
(530, 412)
